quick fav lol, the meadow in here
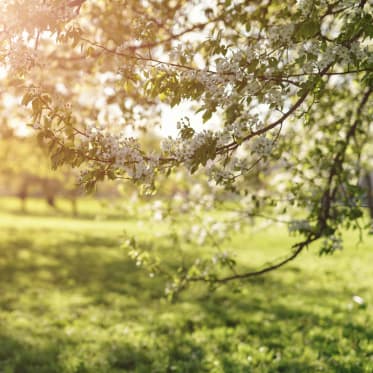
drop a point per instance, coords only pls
(72, 301)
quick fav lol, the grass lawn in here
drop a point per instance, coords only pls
(72, 301)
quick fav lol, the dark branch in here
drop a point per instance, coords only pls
(298, 248)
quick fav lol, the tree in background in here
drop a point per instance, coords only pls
(25, 170)
(286, 88)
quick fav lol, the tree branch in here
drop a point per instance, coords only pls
(298, 248)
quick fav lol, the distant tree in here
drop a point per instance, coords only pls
(25, 169)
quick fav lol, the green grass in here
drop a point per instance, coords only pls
(72, 301)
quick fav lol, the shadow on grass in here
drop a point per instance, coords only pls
(91, 264)
(20, 357)
(86, 283)
(53, 357)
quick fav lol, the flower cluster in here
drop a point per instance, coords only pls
(21, 58)
(208, 231)
(262, 146)
(281, 33)
(121, 152)
(185, 150)
(243, 125)
(305, 7)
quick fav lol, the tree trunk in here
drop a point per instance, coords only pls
(22, 195)
(49, 192)
(369, 183)
(74, 207)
